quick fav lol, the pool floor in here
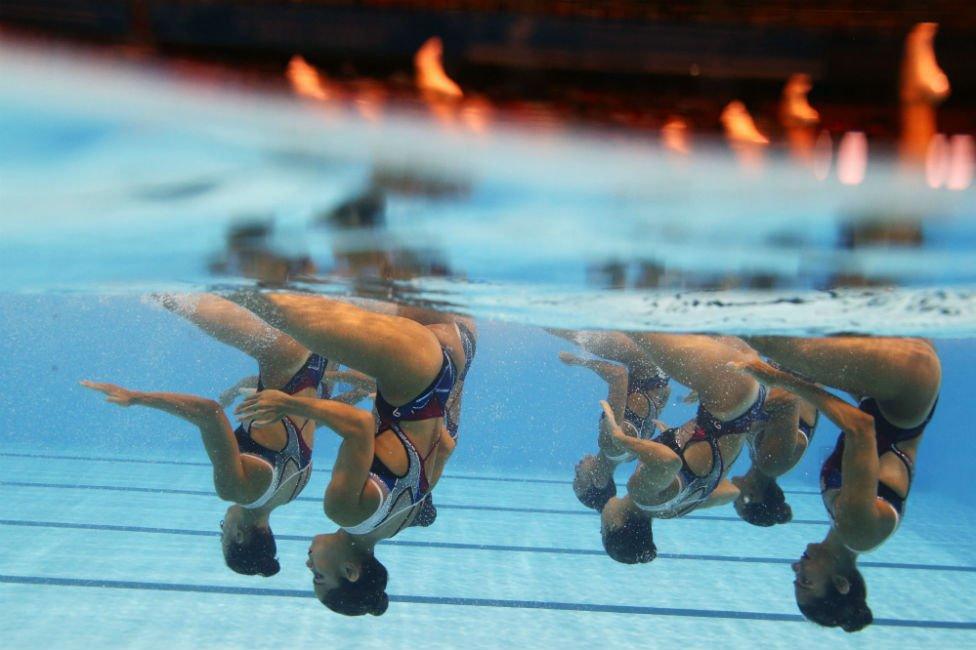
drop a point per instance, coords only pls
(105, 553)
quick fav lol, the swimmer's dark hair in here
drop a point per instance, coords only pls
(595, 498)
(365, 596)
(631, 543)
(256, 556)
(849, 611)
(770, 510)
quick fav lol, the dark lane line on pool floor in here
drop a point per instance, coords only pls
(458, 477)
(465, 602)
(552, 550)
(445, 506)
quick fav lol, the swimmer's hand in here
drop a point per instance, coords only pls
(621, 439)
(570, 359)
(264, 407)
(760, 371)
(228, 396)
(115, 394)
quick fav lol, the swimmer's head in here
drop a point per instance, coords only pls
(626, 532)
(346, 579)
(249, 548)
(830, 594)
(764, 506)
(588, 494)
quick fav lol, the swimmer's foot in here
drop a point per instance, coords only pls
(922, 80)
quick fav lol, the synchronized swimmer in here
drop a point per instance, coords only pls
(764, 394)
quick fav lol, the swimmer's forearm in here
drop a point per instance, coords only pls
(347, 421)
(846, 416)
(352, 377)
(352, 397)
(188, 407)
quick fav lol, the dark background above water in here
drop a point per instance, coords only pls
(621, 62)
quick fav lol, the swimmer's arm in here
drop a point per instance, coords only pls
(354, 396)
(658, 463)
(860, 519)
(354, 378)
(271, 405)
(614, 374)
(228, 396)
(724, 493)
(777, 443)
(846, 416)
(347, 492)
(232, 473)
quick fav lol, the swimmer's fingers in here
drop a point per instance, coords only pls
(758, 370)
(661, 426)
(569, 358)
(113, 393)
(690, 398)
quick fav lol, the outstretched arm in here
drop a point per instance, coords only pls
(269, 406)
(235, 479)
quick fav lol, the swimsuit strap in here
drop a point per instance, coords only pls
(469, 344)
(429, 404)
(694, 488)
(713, 426)
(308, 376)
(414, 483)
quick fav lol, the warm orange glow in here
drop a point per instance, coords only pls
(962, 160)
(936, 161)
(922, 80)
(739, 126)
(306, 80)
(852, 158)
(823, 155)
(674, 134)
(795, 109)
(476, 115)
(431, 77)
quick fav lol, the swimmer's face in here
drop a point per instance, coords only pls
(614, 514)
(815, 571)
(232, 530)
(585, 472)
(329, 560)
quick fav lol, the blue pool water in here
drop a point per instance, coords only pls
(108, 521)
